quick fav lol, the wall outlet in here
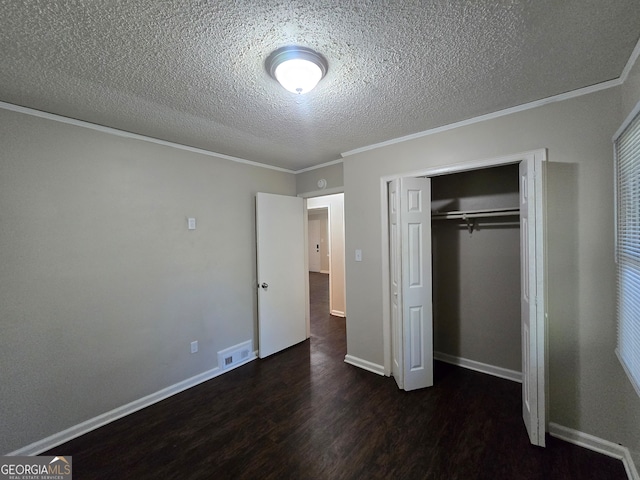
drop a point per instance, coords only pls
(191, 222)
(194, 346)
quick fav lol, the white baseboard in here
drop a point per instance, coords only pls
(597, 445)
(64, 436)
(337, 313)
(364, 364)
(479, 367)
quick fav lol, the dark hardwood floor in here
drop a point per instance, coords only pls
(305, 414)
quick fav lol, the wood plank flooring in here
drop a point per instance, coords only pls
(305, 414)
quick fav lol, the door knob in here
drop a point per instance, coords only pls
(264, 285)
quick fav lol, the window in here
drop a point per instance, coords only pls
(627, 173)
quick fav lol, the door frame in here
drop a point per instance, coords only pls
(327, 234)
(539, 157)
(332, 267)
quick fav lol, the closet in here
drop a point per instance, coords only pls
(476, 252)
(470, 239)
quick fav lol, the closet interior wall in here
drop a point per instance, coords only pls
(476, 268)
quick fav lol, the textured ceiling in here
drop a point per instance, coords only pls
(192, 71)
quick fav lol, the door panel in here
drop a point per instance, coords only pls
(417, 310)
(533, 405)
(281, 272)
(396, 294)
(416, 353)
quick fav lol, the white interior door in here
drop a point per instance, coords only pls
(533, 398)
(281, 272)
(314, 244)
(395, 262)
(417, 309)
(410, 282)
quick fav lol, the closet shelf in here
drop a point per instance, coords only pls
(464, 214)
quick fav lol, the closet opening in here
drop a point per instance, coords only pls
(472, 234)
(475, 234)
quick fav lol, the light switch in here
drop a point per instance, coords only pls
(358, 255)
(192, 223)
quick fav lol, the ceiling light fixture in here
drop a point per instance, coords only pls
(298, 69)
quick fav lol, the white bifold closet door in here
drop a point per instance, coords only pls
(411, 280)
(533, 361)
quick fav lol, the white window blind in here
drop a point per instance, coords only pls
(627, 156)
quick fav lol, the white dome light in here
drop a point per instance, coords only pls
(298, 69)
(298, 75)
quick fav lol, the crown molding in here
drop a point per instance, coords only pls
(490, 116)
(630, 63)
(508, 111)
(322, 165)
(122, 133)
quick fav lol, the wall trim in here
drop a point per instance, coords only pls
(364, 364)
(322, 165)
(322, 193)
(630, 63)
(518, 108)
(596, 444)
(337, 313)
(500, 372)
(94, 423)
(626, 122)
(136, 136)
(490, 116)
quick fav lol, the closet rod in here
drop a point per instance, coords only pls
(474, 226)
(464, 214)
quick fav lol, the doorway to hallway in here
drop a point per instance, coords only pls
(329, 210)
(328, 332)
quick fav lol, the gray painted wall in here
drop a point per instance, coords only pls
(476, 276)
(588, 389)
(102, 287)
(307, 182)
